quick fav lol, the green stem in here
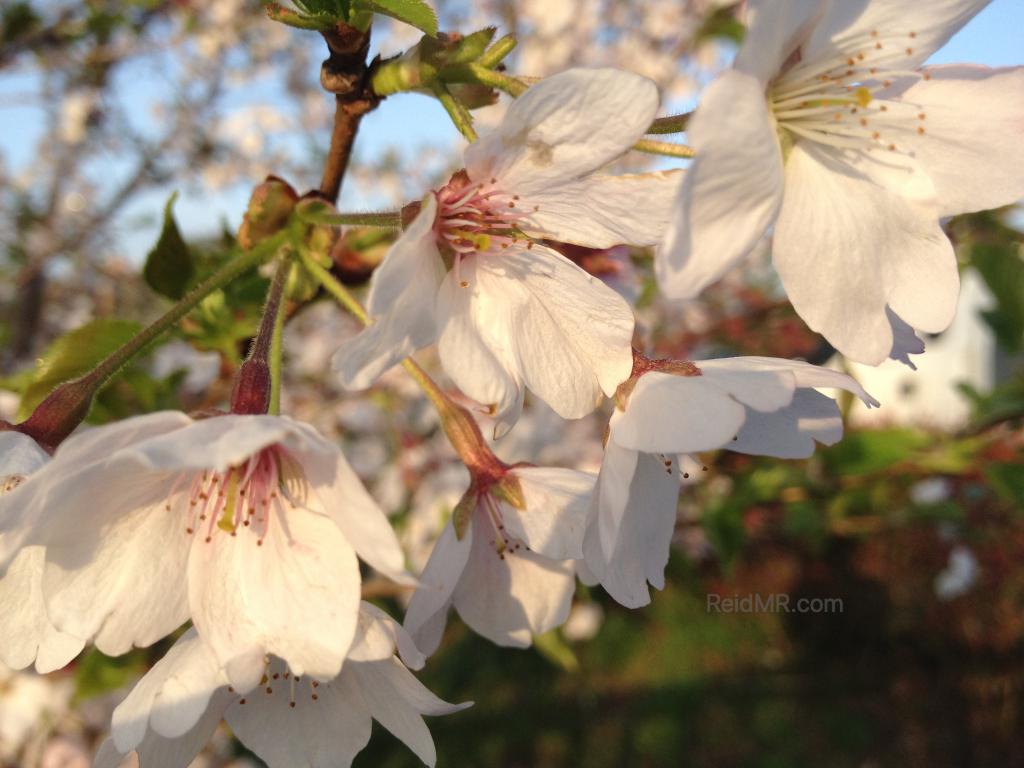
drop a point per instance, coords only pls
(334, 287)
(494, 55)
(383, 219)
(458, 113)
(508, 84)
(277, 349)
(670, 124)
(652, 147)
(460, 427)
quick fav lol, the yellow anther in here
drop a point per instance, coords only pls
(863, 96)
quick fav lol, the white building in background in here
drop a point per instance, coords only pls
(929, 396)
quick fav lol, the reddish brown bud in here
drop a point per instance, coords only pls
(269, 208)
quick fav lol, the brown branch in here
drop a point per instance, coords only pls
(345, 74)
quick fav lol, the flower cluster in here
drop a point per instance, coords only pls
(827, 132)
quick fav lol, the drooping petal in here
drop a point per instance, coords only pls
(293, 593)
(510, 596)
(791, 432)
(26, 634)
(640, 550)
(566, 126)
(322, 727)
(401, 302)
(846, 247)
(340, 494)
(557, 507)
(431, 600)
(601, 211)
(731, 193)
(677, 414)
(908, 33)
(398, 701)
(972, 145)
(172, 697)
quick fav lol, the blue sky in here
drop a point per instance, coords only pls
(992, 38)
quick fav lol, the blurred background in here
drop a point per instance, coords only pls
(914, 522)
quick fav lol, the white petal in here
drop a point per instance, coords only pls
(326, 732)
(774, 30)
(790, 433)
(847, 25)
(442, 573)
(215, 443)
(905, 342)
(641, 549)
(378, 636)
(566, 126)
(20, 456)
(557, 507)
(802, 374)
(295, 596)
(973, 144)
(26, 634)
(401, 303)
(601, 211)
(155, 751)
(846, 247)
(97, 443)
(510, 597)
(732, 191)
(171, 698)
(677, 414)
(473, 344)
(117, 578)
(342, 497)
(397, 700)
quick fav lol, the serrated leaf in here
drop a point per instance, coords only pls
(416, 13)
(169, 267)
(74, 354)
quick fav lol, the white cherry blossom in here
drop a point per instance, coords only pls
(830, 133)
(26, 634)
(248, 525)
(755, 405)
(509, 572)
(510, 314)
(290, 719)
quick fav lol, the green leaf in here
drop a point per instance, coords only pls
(169, 266)
(416, 13)
(74, 354)
(861, 453)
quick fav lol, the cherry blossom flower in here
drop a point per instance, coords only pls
(26, 634)
(755, 405)
(508, 313)
(248, 525)
(507, 565)
(828, 130)
(290, 719)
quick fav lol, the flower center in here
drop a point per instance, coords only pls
(10, 482)
(836, 101)
(279, 681)
(244, 497)
(503, 543)
(477, 217)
